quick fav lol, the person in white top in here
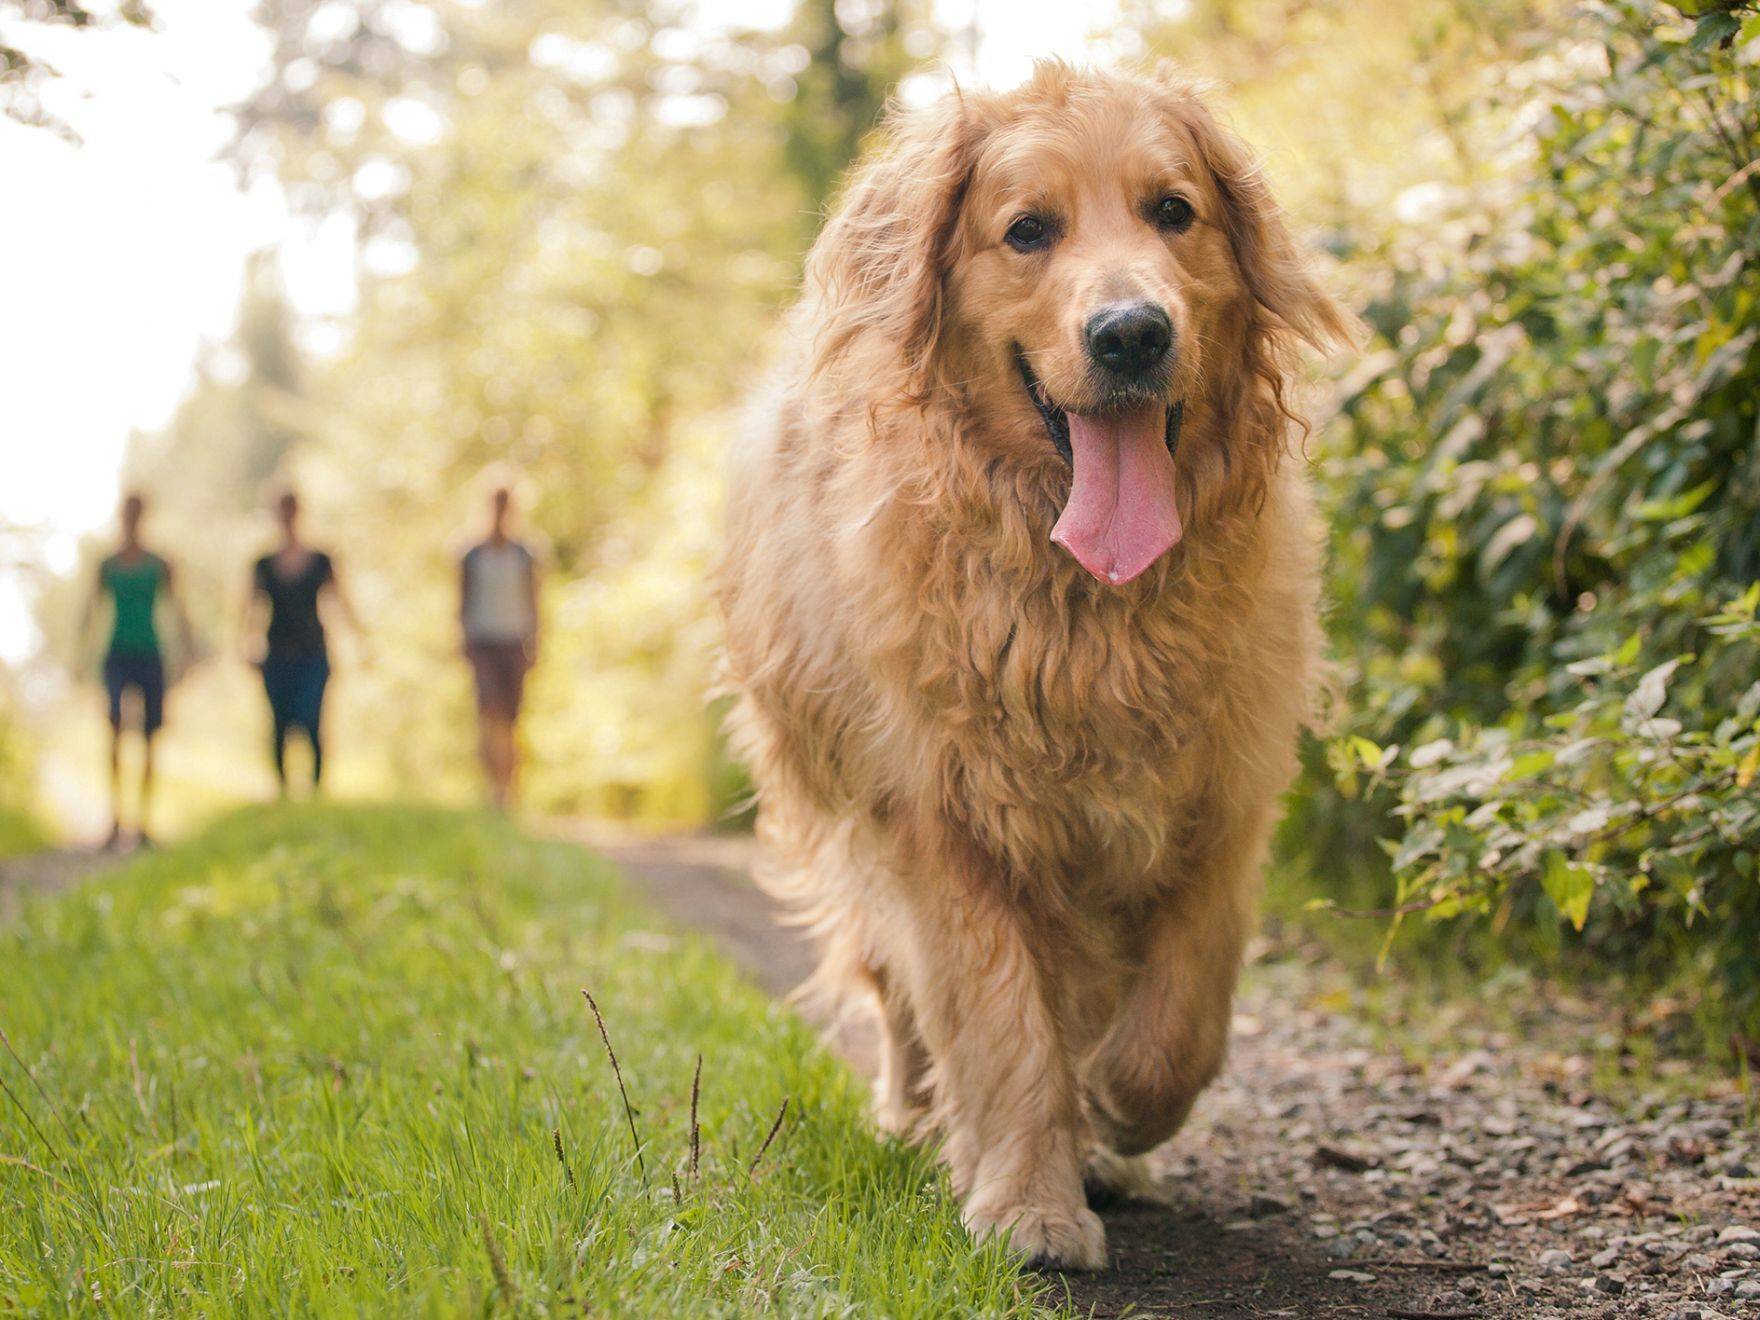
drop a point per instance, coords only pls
(498, 615)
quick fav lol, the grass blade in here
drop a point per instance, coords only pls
(629, 1113)
(775, 1127)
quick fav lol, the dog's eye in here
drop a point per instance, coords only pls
(1028, 233)
(1174, 212)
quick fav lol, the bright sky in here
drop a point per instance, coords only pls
(124, 256)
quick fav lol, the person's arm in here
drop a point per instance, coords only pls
(532, 599)
(88, 619)
(464, 598)
(247, 621)
(333, 584)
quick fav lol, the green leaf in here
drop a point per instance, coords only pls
(1529, 764)
(1372, 756)
(1569, 886)
(1715, 29)
(1424, 837)
(1652, 690)
(1679, 506)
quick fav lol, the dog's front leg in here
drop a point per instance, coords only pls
(1005, 1091)
(1169, 1041)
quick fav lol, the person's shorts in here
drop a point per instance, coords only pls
(295, 686)
(145, 673)
(500, 669)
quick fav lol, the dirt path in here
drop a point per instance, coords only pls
(54, 868)
(1325, 1176)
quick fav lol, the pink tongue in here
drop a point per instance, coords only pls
(1121, 516)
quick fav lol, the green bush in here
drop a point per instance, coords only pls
(1546, 498)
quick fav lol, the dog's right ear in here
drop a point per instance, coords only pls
(880, 264)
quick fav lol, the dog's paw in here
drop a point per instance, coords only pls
(1050, 1238)
(1110, 1178)
(900, 1119)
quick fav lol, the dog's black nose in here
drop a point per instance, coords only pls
(1129, 339)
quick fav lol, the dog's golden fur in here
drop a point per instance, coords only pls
(1025, 811)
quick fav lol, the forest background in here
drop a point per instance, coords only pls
(575, 224)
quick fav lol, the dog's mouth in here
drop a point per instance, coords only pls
(1121, 515)
(1056, 417)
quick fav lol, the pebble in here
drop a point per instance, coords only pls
(1737, 1233)
(1352, 1276)
(1742, 1250)
(1748, 1288)
(1554, 1261)
(1611, 1284)
(1262, 1207)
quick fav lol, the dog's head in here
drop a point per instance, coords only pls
(1099, 272)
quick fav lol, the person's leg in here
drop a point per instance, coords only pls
(275, 687)
(486, 749)
(516, 691)
(500, 758)
(281, 754)
(145, 839)
(317, 676)
(510, 760)
(483, 682)
(152, 689)
(113, 685)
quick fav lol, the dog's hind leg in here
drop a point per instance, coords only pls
(1005, 1092)
(901, 1090)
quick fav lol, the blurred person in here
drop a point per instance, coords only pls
(498, 616)
(294, 580)
(135, 580)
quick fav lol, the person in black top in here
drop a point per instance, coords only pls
(292, 655)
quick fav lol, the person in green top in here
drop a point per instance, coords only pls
(134, 580)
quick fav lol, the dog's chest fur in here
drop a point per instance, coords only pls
(1074, 731)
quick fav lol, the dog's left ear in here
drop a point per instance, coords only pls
(1273, 265)
(881, 261)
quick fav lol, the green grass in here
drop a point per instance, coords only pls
(312, 1062)
(19, 834)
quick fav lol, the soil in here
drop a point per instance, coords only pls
(49, 869)
(1330, 1174)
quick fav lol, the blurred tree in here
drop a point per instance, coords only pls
(1357, 104)
(573, 226)
(854, 55)
(22, 76)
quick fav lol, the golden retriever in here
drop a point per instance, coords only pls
(1020, 590)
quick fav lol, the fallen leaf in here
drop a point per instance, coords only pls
(1562, 1209)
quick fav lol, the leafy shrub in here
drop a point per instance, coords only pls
(1547, 505)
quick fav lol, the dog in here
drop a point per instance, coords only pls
(1020, 593)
